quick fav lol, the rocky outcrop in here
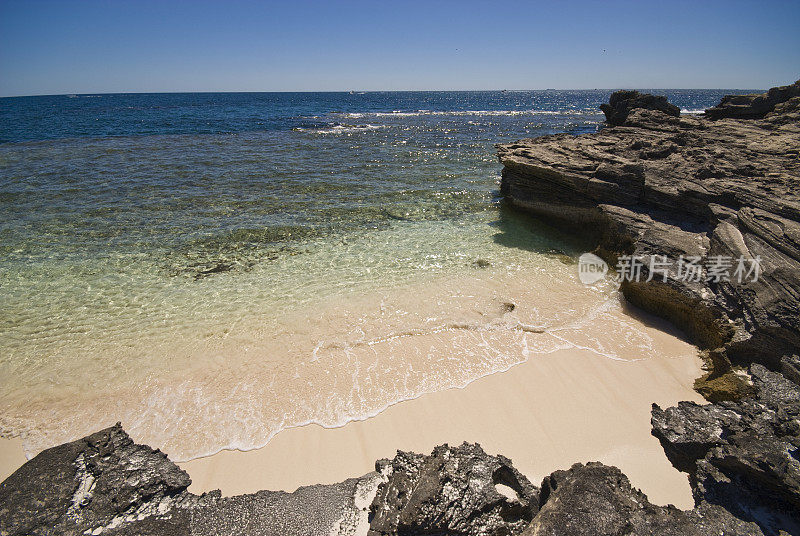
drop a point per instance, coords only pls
(623, 102)
(598, 500)
(99, 481)
(754, 106)
(664, 190)
(668, 189)
(464, 491)
(107, 484)
(459, 490)
(743, 456)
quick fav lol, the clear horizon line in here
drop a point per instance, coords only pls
(378, 91)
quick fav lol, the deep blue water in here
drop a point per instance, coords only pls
(67, 116)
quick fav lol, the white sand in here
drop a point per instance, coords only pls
(545, 414)
(11, 456)
(554, 410)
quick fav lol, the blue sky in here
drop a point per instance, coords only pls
(126, 46)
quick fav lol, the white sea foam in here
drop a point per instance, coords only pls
(341, 129)
(347, 129)
(477, 113)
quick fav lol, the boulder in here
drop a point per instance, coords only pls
(742, 456)
(454, 490)
(598, 500)
(622, 102)
(107, 484)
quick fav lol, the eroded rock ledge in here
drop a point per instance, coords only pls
(661, 186)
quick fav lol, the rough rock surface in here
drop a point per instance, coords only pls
(663, 188)
(107, 484)
(597, 499)
(622, 102)
(753, 106)
(455, 490)
(134, 490)
(743, 456)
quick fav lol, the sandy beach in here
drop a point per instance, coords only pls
(545, 414)
(11, 456)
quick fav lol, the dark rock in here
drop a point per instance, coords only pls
(89, 483)
(755, 106)
(598, 500)
(664, 188)
(790, 367)
(742, 456)
(687, 432)
(622, 102)
(107, 484)
(455, 490)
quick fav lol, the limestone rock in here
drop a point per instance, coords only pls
(742, 456)
(662, 189)
(455, 490)
(622, 102)
(665, 188)
(598, 500)
(754, 106)
(107, 484)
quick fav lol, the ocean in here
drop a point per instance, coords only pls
(213, 268)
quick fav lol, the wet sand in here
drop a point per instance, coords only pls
(569, 406)
(545, 414)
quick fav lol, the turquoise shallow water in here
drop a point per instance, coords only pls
(146, 237)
